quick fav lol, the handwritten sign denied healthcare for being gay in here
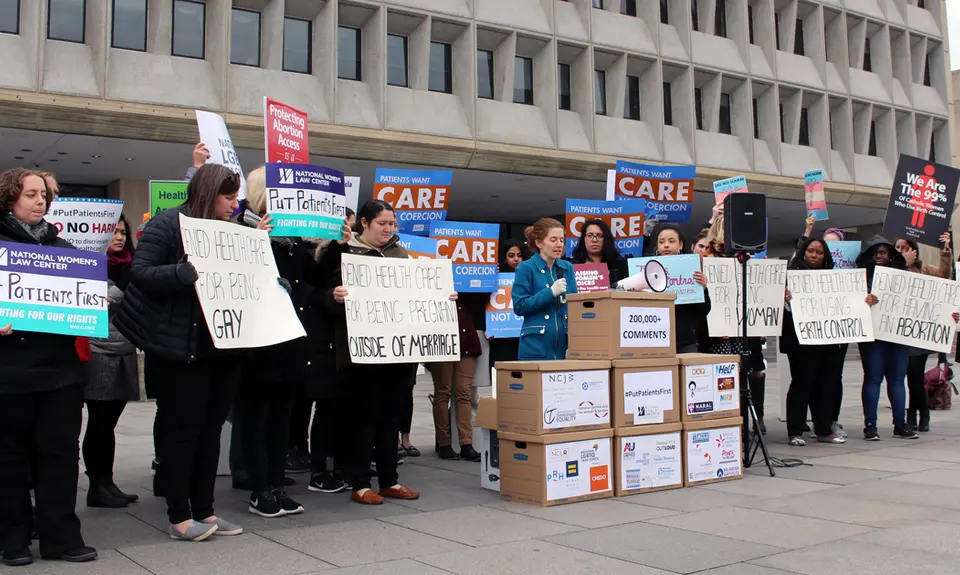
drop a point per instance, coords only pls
(829, 306)
(668, 190)
(914, 309)
(87, 223)
(399, 310)
(305, 201)
(625, 219)
(473, 249)
(243, 303)
(766, 281)
(53, 290)
(502, 322)
(418, 196)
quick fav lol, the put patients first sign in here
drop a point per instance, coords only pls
(418, 196)
(921, 201)
(285, 133)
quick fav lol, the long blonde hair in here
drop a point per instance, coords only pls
(257, 191)
(715, 235)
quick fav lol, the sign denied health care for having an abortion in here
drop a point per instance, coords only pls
(306, 201)
(53, 290)
(399, 310)
(243, 303)
(914, 309)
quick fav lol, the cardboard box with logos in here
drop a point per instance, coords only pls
(555, 469)
(621, 325)
(485, 441)
(542, 397)
(649, 458)
(645, 391)
(710, 385)
(713, 451)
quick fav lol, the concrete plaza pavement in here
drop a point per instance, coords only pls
(887, 507)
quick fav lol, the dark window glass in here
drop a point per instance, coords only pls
(523, 80)
(832, 146)
(129, 25)
(297, 45)
(664, 12)
(798, 39)
(776, 29)
(921, 4)
(698, 107)
(189, 28)
(441, 76)
(600, 91)
(632, 108)
(867, 59)
(598, 4)
(348, 53)
(725, 114)
(804, 128)
(695, 15)
(756, 123)
(750, 23)
(926, 71)
(667, 104)
(872, 149)
(933, 147)
(396, 60)
(783, 137)
(628, 7)
(65, 20)
(244, 37)
(9, 16)
(485, 74)
(720, 19)
(563, 86)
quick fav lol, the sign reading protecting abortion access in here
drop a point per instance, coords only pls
(668, 190)
(914, 309)
(87, 223)
(305, 201)
(53, 290)
(399, 310)
(829, 306)
(418, 196)
(625, 219)
(921, 201)
(242, 302)
(285, 133)
(473, 249)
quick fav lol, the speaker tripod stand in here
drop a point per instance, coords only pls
(752, 436)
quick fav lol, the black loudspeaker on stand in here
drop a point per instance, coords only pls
(745, 232)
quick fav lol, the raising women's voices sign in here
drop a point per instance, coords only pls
(915, 309)
(53, 290)
(399, 310)
(829, 306)
(243, 303)
(306, 201)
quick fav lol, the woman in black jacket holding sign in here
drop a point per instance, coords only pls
(162, 316)
(813, 368)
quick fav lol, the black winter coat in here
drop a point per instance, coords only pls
(160, 314)
(32, 362)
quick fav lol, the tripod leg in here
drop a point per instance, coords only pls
(759, 440)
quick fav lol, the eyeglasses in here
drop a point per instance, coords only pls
(594, 237)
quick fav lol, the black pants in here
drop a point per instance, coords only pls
(406, 410)
(99, 442)
(916, 368)
(194, 399)
(264, 408)
(376, 397)
(300, 423)
(327, 435)
(838, 385)
(813, 372)
(46, 426)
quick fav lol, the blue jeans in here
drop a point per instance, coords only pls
(884, 359)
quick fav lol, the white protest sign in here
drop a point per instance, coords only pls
(214, 133)
(766, 281)
(351, 188)
(829, 306)
(399, 310)
(242, 301)
(644, 327)
(87, 223)
(914, 309)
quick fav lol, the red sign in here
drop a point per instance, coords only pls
(591, 277)
(285, 133)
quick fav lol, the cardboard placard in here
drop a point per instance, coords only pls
(915, 309)
(844, 254)
(591, 277)
(921, 201)
(813, 193)
(418, 196)
(650, 459)
(709, 385)
(166, 194)
(829, 306)
(621, 325)
(625, 219)
(87, 223)
(668, 190)
(214, 134)
(712, 451)
(766, 282)
(680, 270)
(734, 185)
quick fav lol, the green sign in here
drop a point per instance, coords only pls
(166, 194)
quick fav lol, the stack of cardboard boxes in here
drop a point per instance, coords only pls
(623, 415)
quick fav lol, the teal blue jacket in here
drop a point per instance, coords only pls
(544, 332)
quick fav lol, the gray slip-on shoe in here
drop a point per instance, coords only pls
(225, 528)
(196, 531)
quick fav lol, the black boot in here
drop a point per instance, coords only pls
(100, 496)
(912, 418)
(115, 491)
(924, 421)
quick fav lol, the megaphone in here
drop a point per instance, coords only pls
(652, 278)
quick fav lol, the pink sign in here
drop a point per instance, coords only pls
(591, 277)
(285, 133)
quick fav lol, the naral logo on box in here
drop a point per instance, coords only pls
(598, 478)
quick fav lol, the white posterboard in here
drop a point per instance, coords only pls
(243, 303)
(399, 310)
(87, 223)
(214, 134)
(766, 281)
(829, 306)
(351, 189)
(914, 309)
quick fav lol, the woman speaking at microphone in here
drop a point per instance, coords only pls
(539, 293)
